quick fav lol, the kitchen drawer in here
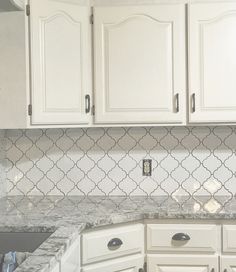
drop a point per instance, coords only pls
(229, 238)
(182, 238)
(110, 243)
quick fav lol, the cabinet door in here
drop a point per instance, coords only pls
(228, 264)
(212, 80)
(56, 268)
(140, 64)
(59, 62)
(126, 264)
(184, 263)
(70, 262)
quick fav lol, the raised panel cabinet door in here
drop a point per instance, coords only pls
(59, 62)
(182, 263)
(140, 64)
(212, 62)
(125, 264)
(228, 264)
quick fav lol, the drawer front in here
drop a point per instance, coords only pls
(182, 238)
(229, 238)
(110, 243)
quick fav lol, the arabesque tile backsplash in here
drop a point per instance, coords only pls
(108, 161)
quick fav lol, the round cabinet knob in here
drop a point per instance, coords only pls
(114, 244)
(181, 237)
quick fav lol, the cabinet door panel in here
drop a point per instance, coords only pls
(139, 64)
(59, 62)
(178, 263)
(228, 263)
(125, 264)
(212, 58)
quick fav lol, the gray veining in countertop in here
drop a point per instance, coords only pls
(66, 217)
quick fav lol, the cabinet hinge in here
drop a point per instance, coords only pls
(93, 110)
(27, 10)
(30, 110)
(91, 19)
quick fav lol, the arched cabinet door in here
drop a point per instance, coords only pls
(59, 42)
(140, 64)
(212, 62)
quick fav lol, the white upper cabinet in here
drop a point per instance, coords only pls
(60, 55)
(140, 64)
(212, 62)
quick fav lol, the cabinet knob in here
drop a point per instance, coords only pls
(193, 103)
(87, 103)
(114, 244)
(181, 237)
(225, 270)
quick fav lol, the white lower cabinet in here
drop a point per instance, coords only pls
(56, 268)
(125, 264)
(170, 247)
(228, 263)
(182, 263)
(70, 262)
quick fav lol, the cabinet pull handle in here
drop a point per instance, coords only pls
(225, 270)
(114, 244)
(193, 103)
(87, 103)
(177, 102)
(181, 237)
(141, 270)
(213, 270)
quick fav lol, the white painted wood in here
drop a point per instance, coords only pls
(212, 61)
(229, 238)
(139, 64)
(228, 264)
(70, 262)
(56, 268)
(125, 264)
(182, 263)
(203, 238)
(60, 58)
(13, 74)
(94, 244)
(20, 4)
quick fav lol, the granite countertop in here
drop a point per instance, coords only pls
(67, 217)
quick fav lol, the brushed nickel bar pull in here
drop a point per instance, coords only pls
(194, 108)
(177, 102)
(87, 103)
